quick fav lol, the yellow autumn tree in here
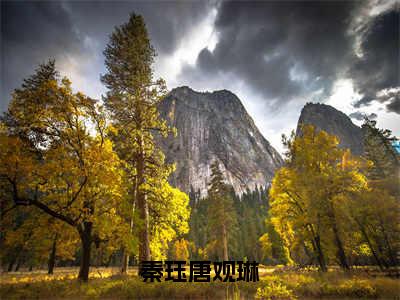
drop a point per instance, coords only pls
(309, 193)
(374, 213)
(266, 245)
(55, 156)
(33, 238)
(169, 219)
(180, 250)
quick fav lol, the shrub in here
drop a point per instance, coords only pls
(275, 290)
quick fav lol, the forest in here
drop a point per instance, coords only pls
(83, 183)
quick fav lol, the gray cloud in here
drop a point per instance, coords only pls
(280, 49)
(360, 116)
(32, 33)
(167, 21)
(394, 105)
(75, 34)
(376, 72)
(291, 49)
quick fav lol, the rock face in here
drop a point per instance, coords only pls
(333, 121)
(215, 126)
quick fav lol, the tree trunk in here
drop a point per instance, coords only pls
(18, 265)
(316, 243)
(11, 264)
(392, 256)
(364, 233)
(86, 241)
(225, 243)
(125, 256)
(341, 255)
(320, 254)
(125, 262)
(340, 250)
(144, 244)
(381, 251)
(52, 257)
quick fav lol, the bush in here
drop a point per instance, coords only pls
(275, 290)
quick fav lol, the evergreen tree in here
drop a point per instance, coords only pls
(379, 150)
(132, 98)
(375, 212)
(221, 213)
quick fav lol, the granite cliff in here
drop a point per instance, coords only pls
(215, 126)
(333, 121)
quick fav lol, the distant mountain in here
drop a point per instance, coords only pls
(215, 126)
(333, 121)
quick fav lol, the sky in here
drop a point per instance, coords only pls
(274, 55)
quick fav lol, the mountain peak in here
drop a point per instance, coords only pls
(327, 118)
(215, 126)
(214, 94)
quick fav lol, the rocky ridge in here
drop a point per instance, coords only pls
(327, 118)
(215, 126)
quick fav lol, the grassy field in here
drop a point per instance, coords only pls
(275, 283)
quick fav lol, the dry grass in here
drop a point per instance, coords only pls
(275, 283)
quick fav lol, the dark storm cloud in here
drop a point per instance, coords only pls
(378, 68)
(281, 49)
(33, 32)
(167, 21)
(288, 49)
(394, 105)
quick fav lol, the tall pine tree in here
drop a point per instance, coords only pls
(132, 99)
(221, 211)
(379, 150)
